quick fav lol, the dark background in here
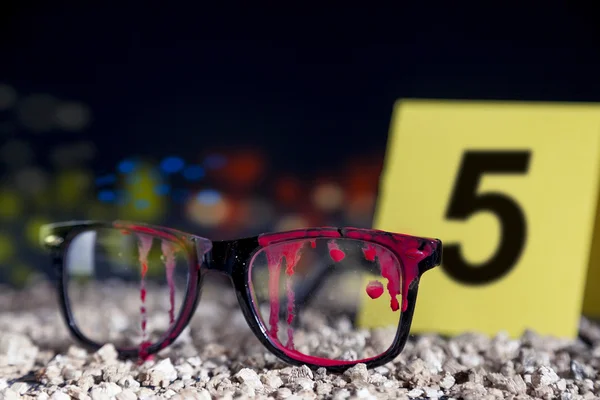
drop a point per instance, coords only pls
(284, 98)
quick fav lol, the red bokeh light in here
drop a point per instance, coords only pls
(244, 169)
(289, 191)
(362, 176)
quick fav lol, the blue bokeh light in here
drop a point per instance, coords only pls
(126, 166)
(193, 173)
(208, 197)
(107, 196)
(172, 164)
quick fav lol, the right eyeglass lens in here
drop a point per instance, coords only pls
(326, 299)
(124, 287)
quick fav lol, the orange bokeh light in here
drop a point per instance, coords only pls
(244, 168)
(362, 176)
(288, 191)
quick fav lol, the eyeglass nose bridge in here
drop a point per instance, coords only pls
(230, 256)
(218, 258)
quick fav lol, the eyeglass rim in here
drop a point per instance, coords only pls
(67, 231)
(241, 250)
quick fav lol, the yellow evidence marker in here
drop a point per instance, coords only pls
(511, 189)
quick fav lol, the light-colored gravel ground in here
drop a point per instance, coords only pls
(218, 357)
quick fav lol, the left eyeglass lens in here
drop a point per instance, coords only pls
(125, 287)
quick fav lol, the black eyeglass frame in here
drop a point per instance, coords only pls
(232, 258)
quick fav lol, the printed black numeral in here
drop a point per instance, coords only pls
(465, 202)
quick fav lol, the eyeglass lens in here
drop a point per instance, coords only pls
(124, 287)
(328, 299)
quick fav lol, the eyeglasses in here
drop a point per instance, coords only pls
(322, 297)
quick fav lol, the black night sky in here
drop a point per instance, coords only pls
(310, 86)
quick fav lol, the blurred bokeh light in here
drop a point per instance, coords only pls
(230, 192)
(163, 124)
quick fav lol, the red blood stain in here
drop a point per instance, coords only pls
(390, 269)
(290, 343)
(401, 244)
(144, 246)
(169, 254)
(375, 289)
(400, 266)
(143, 351)
(274, 271)
(369, 252)
(335, 253)
(272, 238)
(291, 298)
(153, 231)
(295, 257)
(291, 315)
(313, 243)
(275, 255)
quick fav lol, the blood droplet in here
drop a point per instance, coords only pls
(369, 253)
(394, 304)
(375, 289)
(335, 253)
(275, 255)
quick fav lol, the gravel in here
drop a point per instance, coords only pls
(217, 356)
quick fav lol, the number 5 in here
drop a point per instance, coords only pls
(465, 202)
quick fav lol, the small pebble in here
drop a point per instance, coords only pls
(126, 394)
(283, 393)
(77, 393)
(60, 396)
(271, 380)
(249, 377)
(106, 354)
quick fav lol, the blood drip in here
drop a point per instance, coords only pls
(169, 254)
(375, 289)
(144, 246)
(335, 253)
(275, 255)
